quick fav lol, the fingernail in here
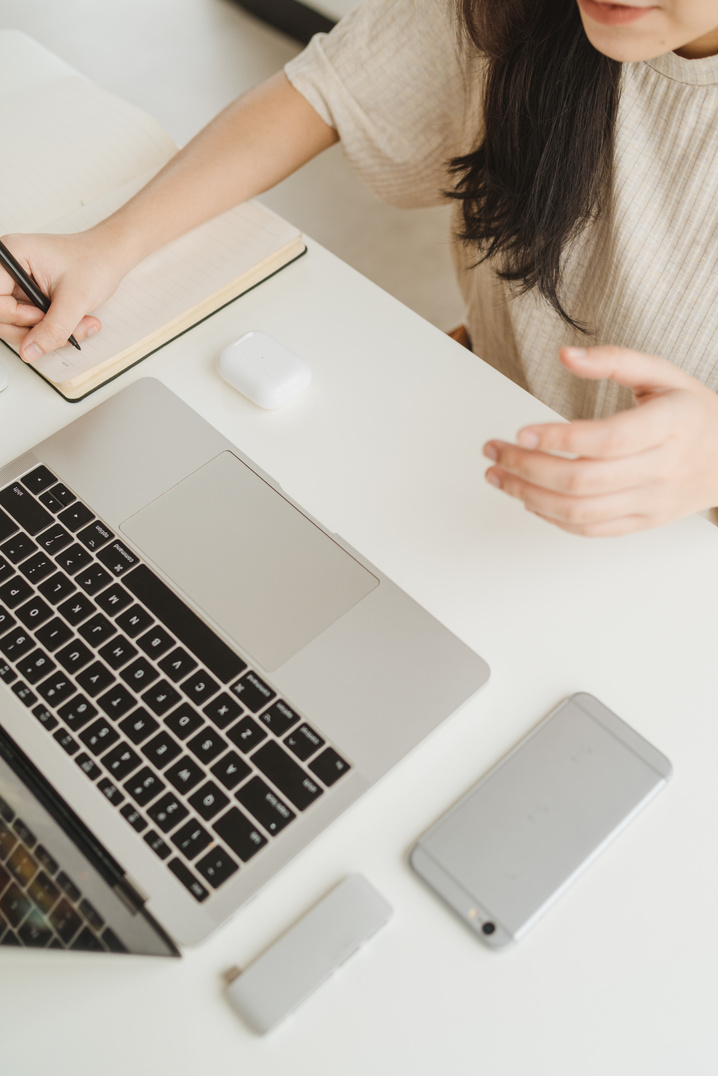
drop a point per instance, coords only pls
(491, 452)
(493, 479)
(575, 352)
(527, 439)
(31, 353)
(92, 330)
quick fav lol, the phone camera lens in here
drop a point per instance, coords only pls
(488, 928)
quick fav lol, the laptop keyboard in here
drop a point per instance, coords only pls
(198, 753)
(40, 905)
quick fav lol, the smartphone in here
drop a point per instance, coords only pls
(531, 825)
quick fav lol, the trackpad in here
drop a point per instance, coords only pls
(251, 561)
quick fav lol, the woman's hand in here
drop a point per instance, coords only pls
(77, 275)
(636, 469)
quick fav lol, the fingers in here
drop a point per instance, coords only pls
(632, 369)
(575, 477)
(64, 318)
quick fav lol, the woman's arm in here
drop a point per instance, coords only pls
(261, 138)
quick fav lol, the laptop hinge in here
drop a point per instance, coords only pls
(131, 894)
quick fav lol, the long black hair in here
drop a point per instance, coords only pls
(543, 169)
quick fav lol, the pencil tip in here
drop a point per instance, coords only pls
(74, 343)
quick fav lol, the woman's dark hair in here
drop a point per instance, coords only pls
(543, 169)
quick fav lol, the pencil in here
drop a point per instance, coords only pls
(28, 285)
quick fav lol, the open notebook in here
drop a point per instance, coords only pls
(78, 152)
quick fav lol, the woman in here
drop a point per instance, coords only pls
(579, 140)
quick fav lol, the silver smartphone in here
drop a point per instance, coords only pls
(520, 836)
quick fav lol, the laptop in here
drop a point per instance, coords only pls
(196, 678)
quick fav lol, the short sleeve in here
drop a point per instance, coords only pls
(393, 80)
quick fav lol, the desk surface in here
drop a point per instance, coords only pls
(385, 448)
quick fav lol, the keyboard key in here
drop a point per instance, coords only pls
(134, 817)
(188, 880)
(22, 866)
(144, 786)
(32, 613)
(112, 942)
(7, 673)
(53, 634)
(98, 736)
(74, 656)
(240, 834)
(91, 914)
(6, 570)
(157, 844)
(183, 721)
(57, 588)
(54, 539)
(43, 892)
(87, 942)
(121, 761)
(95, 678)
(74, 558)
(177, 665)
(191, 839)
(37, 568)
(15, 592)
(116, 702)
(68, 887)
(252, 692)
(7, 526)
(265, 805)
(7, 620)
(45, 718)
(208, 800)
(304, 742)
(24, 693)
(113, 599)
(329, 766)
(206, 745)
(88, 766)
(92, 579)
(57, 497)
(184, 623)
(217, 866)
(39, 479)
(76, 516)
(95, 535)
(111, 792)
(17, 548)
(97, 630)
(117, 558)
(140, 674)
(161, 697)
(35, 665)
(246, 734)
(14, 905)
(222, 710)
(65, 920)
(134, 621)
(26, 835)
(230, 770)
(56, 688)
(161, 750)
(44, 857)
(286, 775)
(75, 609)
(34, 935)
(200, 687)
(138, 726)
(279, 718)
(66, 741)
(118, 652)
(155, 642)
(167, 812)
(24, 509)
(184, 774)
(77, 712)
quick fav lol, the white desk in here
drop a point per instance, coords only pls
(385, 448)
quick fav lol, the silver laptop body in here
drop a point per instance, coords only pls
(344, 673)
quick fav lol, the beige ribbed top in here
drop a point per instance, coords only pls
(405, 96)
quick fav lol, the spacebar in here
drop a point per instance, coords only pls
(182, 622)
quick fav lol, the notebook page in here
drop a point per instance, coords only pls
(180, 277)
(67, 146)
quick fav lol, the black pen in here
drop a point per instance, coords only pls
(28, 285)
